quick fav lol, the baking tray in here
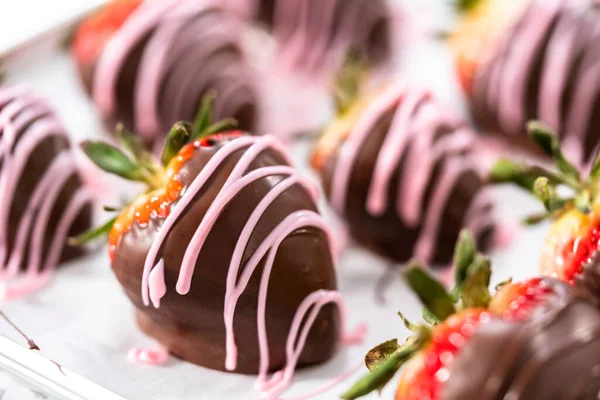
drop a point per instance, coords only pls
(83, 322)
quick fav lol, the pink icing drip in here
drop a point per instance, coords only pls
(314, 36)
(156, 283)
(353, 143)
(513, 90)
(391, 152)
(153, 282)
(158, 55)
(154, 356)
(19, 109)
(559, 60)
(139, 23)
(585, 95)
(509, 72)
(412, 132)
(178, 48)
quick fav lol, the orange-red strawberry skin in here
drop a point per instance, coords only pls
(425, 375)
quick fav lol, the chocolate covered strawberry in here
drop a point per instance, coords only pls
(227, 239)
(571, 202)
(475, 348)
(94, 33)
(533, 59)
(403, 172)
(44, 198)
(149, 64)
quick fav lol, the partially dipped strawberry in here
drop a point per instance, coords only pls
(95, 31)
(227, 239)
(570, 248)
(477, 351)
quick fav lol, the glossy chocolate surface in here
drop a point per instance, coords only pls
(191, 325)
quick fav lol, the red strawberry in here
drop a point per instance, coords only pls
(516, 301)
(453, 316)
(482, 25)
(574, 238)
(466, 323)
(426, 374)
(95, 31)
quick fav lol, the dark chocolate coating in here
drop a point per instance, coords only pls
(554, 355)
(200, 59)
(37, 164)
(191, 326)
(387, 234)
(559, 58)
(363, 25)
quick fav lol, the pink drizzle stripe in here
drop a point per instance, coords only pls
(507, 75)
(412, 134)
(21, 109)
(153, 285)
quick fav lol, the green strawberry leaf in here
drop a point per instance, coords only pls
(464, 6)
(178, 136)
(546, 140)
(499, 285)
(464, 254)
(583, 201)
(409, 325)
(524, 176)
(432, 293)
(92, 234)
(429, 317)
(535, 219)
(204, 115)
(224, 125)
(131, 142)
(595, 173)
(113, 160)
(475, 289)
(384, 372)
(381, 353)
(546, 192)
(111, 208)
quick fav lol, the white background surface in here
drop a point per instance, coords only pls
(83, 320)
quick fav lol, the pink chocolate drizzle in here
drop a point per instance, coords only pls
(154, 356)
(561, 33)
(412, 134)
(313, 36)
(153, 284)
(21, 109)
(181, 54)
